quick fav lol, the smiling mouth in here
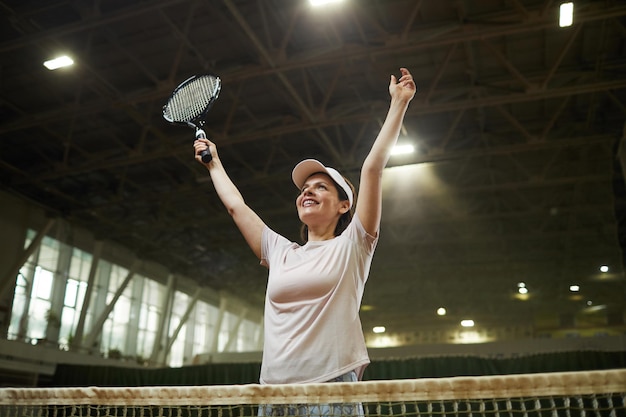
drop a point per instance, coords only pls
(308, 203)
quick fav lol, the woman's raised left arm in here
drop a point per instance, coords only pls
(369, 203)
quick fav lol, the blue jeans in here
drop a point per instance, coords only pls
(316, 410)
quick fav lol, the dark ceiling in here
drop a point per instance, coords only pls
(517, 124)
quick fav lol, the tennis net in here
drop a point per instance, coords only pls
(590, 393)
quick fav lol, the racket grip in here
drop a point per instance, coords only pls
(206, 154)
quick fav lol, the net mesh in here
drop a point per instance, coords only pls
(595, 393)
(192, 98)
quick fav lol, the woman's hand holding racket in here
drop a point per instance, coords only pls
(202, 147)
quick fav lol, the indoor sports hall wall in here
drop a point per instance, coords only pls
(244, 373)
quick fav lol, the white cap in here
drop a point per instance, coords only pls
(308, 167)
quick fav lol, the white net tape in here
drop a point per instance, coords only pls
(596, 393)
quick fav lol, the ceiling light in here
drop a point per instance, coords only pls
(522, 290)
(566, 14)
(604, 268)
(323, 2)
(379, 329)
(403, 149)
(467, 323)
(441, 311)
(59, 62)
(521, 285)
(574, 288)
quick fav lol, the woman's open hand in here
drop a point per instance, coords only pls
(404, 88)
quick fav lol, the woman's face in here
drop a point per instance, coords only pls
(319, 200)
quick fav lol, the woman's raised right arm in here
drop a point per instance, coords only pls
(249, 223)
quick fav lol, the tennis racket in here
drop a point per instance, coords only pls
(190, 102)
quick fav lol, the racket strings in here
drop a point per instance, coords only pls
(191, 100)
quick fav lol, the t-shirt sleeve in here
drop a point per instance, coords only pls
(270, 240)
(357, 233)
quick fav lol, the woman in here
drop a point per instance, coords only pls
(312, 327)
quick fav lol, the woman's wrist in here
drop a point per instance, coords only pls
(399, 104)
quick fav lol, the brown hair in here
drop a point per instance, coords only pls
(345, 218)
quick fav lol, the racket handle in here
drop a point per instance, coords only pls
(206, 154)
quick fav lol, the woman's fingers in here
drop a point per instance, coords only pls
(201, 145)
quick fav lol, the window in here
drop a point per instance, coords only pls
(75, 289)
(205, 323)
(149, 317)
(115, 327)
(133, 324)
(177, 352)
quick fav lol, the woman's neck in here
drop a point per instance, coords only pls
(321, 233)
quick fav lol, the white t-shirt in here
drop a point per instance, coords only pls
(312, 327)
